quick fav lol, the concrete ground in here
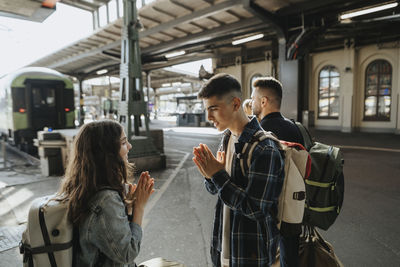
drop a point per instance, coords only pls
(179, 216)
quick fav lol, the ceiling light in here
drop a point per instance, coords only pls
(248, 39)
(367, 10)
(166, 85)
(175, 54)
(100, 72)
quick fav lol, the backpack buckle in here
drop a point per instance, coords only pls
(26, 251)
(21, 248)
(301, 195)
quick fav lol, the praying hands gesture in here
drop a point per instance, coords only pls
(138, 195)
(205, 161)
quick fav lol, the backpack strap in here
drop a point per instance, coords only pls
(225, 140)
(299, 146)
(248, 148)
(25, 249)
(308, 142)
(46, 237)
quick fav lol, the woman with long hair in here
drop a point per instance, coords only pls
(107, 210)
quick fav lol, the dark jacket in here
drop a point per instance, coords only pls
(253, 203)
(282, 127)
(285, 130)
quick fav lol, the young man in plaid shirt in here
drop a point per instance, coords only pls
(245, 224)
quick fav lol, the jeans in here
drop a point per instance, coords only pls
(289, 251)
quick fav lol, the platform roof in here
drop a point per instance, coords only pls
(206, 28)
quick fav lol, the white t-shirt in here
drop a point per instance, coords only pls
(226, 227)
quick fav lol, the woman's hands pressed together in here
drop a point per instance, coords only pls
(138, 195)
(144, 189)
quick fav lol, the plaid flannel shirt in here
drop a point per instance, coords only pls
(253, 203)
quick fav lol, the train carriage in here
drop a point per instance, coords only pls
(34, 98)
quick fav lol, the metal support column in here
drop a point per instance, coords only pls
(148, 83)
(132, 105)
(156, 100)
(281, 56)
(4, 152)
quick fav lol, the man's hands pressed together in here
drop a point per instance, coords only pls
(205, 161)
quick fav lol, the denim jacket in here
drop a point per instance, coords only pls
(107, 230)
(253, 203)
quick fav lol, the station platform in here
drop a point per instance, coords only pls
(178, 220)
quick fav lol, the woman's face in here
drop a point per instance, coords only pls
(125, 146)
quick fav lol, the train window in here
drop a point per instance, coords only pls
(43, 97)
(18, 95)
(51, 97)
(37, 97)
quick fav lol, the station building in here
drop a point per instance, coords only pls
(349, 89)
(338, 60)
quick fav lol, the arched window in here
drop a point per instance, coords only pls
(378, 89)
(328, 93)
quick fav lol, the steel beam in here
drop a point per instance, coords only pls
(154, 66)
(265, 16)
(209, 11)
(85, 54)
(89, 68)
(199, 37)
(273, 21)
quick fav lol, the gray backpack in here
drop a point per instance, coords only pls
(49, 238)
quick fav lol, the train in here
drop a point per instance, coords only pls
(32, 99)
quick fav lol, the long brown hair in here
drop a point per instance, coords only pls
(95, 163)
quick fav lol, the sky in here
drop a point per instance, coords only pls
(23, 42)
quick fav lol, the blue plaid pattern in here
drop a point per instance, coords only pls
(253, 200)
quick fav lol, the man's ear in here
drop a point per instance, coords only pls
(264, 101)
(237, 103)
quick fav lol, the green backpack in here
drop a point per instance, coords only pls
(325, 186)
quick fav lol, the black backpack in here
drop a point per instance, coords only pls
(325, 186)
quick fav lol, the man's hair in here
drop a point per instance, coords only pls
(220, 85)
(273, 86)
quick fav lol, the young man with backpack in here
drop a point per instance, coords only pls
(267, 99)
(245, 225)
